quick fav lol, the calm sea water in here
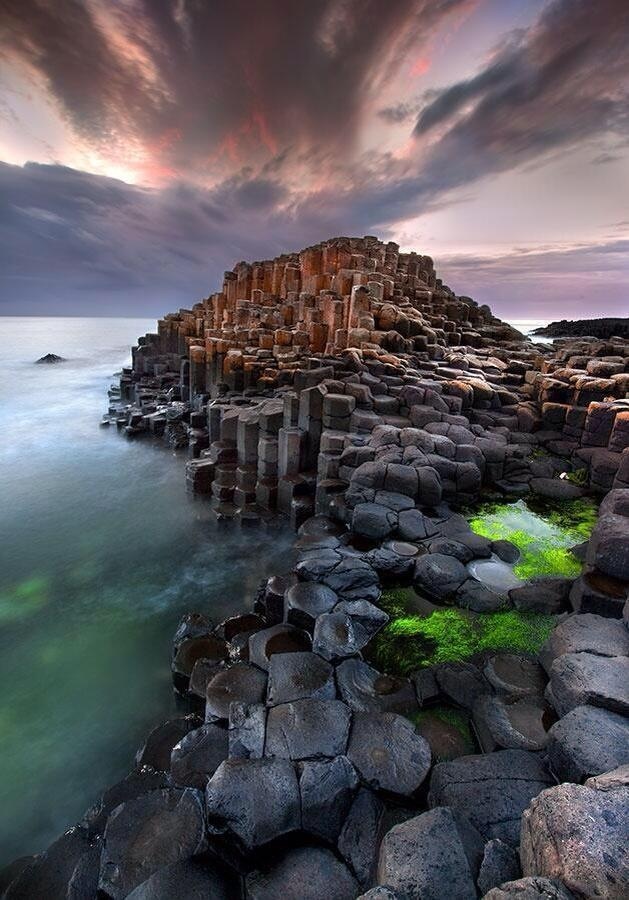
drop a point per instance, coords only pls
(102, 551)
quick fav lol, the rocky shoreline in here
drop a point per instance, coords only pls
(598, 328)
(348, 390)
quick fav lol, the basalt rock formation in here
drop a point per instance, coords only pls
(599, 328)
(348, 390)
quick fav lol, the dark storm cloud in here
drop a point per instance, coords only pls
(203, 84)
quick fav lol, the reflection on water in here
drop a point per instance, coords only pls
(101, 553)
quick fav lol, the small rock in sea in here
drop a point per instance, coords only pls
(51, 358)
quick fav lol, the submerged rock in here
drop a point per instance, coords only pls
(51, 359)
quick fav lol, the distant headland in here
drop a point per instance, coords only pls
(598, 328)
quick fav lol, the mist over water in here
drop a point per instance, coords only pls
(102, 551)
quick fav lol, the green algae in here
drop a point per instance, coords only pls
(543, 532)
(23, 599)
(410, 642)
(425, 721)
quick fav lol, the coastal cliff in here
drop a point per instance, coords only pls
(419, 704)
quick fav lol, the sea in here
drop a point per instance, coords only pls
(101, 552)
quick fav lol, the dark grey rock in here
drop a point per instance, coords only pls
(138, 783)
(246, 730)
(439, 576)
(277, 639)
(307, 873)
(585, 633)
(307, 600)
(256, 800)
(307, 729)
(198, 755)
(608, 549)
(479, 546)
(500, 863)
(391, 566)
(353, 579)
(367, 618)
(579, 835)
(327, 788)
(588, 741)
(381, 892)
(145, 834)
(514, 675)
(461, 682)
(491, 790)
(295, 676)
(478, 597)
(448, 546)
(336, 636)
(517, 724)
(530, 888)
(428, 857)
(544, 595)
(240, 683)
(50, 359)
(159, 744)
(49, 874)
(189, 880)
(581, 679)
(506, 551)
(372, 520)
(413, 525)
(189, 650)
(388, 753)
(360, 836)
(202, 673)
(367, 690)
(610, 781)
(555, 488)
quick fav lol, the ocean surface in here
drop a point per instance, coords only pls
(101, 552)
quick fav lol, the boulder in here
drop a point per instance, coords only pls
(49, 874)
(588, 741)
(608, 549)
(432, 856)
(544, 595)
(144, 834)
(241, 683)
(585, 633)
(138, 783)
(365, 689)
(256, 800)
(307, 600)
(500, 863)
(413, 525)
(307, 873)
(580, 679)
(438, 575)
(461, 682)
(579, 835)
(556, 488)
(491, 790)
(478, 597)
(307, 729)
(336, 636)
(295, 676)
(189, 879)
(198, 755)
(388, 753)
(531, 888)
(360, 835)
(372, 520)
(327, 788)
(157, 748)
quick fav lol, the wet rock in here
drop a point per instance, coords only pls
(447, 739)
(495, 574)
(373, 520)
(579, 835)
(365, 689)
(431, 856)
(556, 488)
(235, 625)
(246, 730)
(491, 791)
(413, 525)
(478, 597)
(159, 744)
(500, 863)
(516, 724)
(307, 600)
(295, 676)
(307, 873)
(360, 836)
(367, 619)
(513, 675)
(49, 874)
(585, 633)
(392, 567)
(506, 551)
(256, 800)
(580, 679)
(588, 741)
(438, 575)
(203, 672)
(145, 834)
(543, 595)
(308, 728)
(241, 683)
(388, 753)
(277, 639)
(198, 755)
(138, 783)
(460, 682)
(531, 888)
(50, 359)
(336, 636)
(190, 879)
(189, 650)
(327, 788)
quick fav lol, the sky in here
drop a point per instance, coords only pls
(148, 145)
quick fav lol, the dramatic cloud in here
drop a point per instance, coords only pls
(244, 129)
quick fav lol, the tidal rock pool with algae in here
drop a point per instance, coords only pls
(421, 634)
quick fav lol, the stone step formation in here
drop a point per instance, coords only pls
(346, 389)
